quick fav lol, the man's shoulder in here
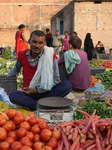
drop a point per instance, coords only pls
(23, 53)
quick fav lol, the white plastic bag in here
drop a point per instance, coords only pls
(5, 98)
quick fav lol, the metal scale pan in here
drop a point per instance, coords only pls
(55, 102)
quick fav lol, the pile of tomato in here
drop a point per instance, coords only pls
(107, 64)
(19, 132)
(94, 80)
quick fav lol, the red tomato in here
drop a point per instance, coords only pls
(27, 118)
(9, 140)
(21, 132)
(3, 134)
(8, 126)
(50, 127)
(18, 119)
(32, 121)
(45, 134)
(48, 148)
(14, 126)
(6, 111)
(2, 120)
(38, 146)
(11, 113)
(26, 148)
(42, 124)
(31, 114)
(56, 134)
(5, 115)
(16, 145)
(53, 143)
(19, 113)
(30, 135)
(35, 129)
(4, 146)
(25, 141)
(13, 135)
(36, 138)
(25, 125)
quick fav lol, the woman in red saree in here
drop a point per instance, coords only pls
(20, 40)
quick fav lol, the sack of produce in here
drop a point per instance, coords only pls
(96, 93)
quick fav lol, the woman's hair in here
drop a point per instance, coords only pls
(21, 26)
(66, 32)
(37, 33)
(75, 42)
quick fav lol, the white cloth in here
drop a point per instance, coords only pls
(43, 77)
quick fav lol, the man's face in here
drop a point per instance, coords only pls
(57, 33)
(48, 32)
(37, 44)
(74, 35)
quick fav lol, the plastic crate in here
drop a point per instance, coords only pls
(104, 56)
(97, 70)
(8, 83)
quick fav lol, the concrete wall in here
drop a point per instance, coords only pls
(35, 14)
(96, 19)
(67, 15)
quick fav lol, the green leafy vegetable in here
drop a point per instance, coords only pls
(101, 110)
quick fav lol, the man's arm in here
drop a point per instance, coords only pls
(61, 60)
(16, 69)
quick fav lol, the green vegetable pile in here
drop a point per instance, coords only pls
(7, 53)
(101, 110)
(97, 63)
(106, 79)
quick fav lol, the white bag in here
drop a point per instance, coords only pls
(5, 98)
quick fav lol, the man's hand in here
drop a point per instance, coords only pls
(30, 91)
(20, 89)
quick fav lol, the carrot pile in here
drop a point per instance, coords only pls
(90, 133)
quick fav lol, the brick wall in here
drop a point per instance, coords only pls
(35, 14)
(96, 19)
(84, 17)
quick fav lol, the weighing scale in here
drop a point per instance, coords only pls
(55, 109)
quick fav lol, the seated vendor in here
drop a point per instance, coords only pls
(40, 73)
(100, 48)
(76, 66)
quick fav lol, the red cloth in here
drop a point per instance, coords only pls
(49, 35)
(28, 70)
(20, 45)
(100, 45)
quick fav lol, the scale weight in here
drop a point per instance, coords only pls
(52, 112)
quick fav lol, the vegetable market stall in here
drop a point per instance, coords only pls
(92, 132)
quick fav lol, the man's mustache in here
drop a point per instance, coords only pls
(36, 48)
